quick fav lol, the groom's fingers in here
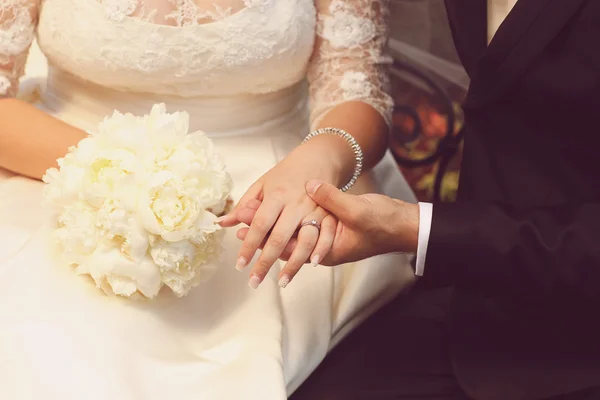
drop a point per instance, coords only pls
(244, 215)
(241, 214)
(342, 205)
(249, 198)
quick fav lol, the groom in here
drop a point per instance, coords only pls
(520, 247)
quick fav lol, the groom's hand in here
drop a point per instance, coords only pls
(368, 225)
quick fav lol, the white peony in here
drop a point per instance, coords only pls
(77, 232)
(137, 203)
(116, 274)
(62, 187)
(183, 265)
(172, 208)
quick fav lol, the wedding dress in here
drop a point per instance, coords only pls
(239, 68)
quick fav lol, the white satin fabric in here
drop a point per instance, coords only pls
(61, 338)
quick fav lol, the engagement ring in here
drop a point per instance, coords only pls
(312, 222)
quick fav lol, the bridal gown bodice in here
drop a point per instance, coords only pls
(243, 52)
(255, 75)
(195, 49)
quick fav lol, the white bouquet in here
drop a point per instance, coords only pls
(137, 203)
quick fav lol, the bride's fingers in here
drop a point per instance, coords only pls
(287, 252)
(276, 242)
(322, 248)
(289, 249)
(263, 221)
(326, 238)
(245, 215)
(307, 239)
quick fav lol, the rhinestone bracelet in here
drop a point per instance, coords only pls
(358, 154)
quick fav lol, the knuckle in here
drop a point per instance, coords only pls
(248, 246)
(277, 240)
(261, 225)
(278, 193)
(263, 265)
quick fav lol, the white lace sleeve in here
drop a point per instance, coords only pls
(349, 62)
(17, 29)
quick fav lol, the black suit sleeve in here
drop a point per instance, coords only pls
(498, 249)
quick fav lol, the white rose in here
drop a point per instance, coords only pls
(116, 274)
(172, 209)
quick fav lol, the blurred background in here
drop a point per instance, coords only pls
(428, 85)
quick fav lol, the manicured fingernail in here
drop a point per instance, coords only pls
(241, 263)
(315, 260)
(313, 186)
(284, 280)
(221, 219)
(254, 281)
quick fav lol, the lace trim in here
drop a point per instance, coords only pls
(349, 62)
(5, 85)
(118, 10)
(185, 12)
(17, 29)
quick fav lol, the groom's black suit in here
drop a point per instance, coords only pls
(521, 247)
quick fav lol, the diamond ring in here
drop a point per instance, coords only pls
(312, 222)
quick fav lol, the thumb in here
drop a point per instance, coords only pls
(332, 199)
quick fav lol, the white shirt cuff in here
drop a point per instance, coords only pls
(425, 216)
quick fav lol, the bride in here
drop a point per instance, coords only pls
(258, 76)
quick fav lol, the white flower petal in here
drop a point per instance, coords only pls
(133, 200)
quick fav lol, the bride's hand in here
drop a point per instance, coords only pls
(284, 206)
(327, 233)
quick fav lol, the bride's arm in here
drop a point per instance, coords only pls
(30, 140)
(349, 86)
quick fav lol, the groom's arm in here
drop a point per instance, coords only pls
(495, 248)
